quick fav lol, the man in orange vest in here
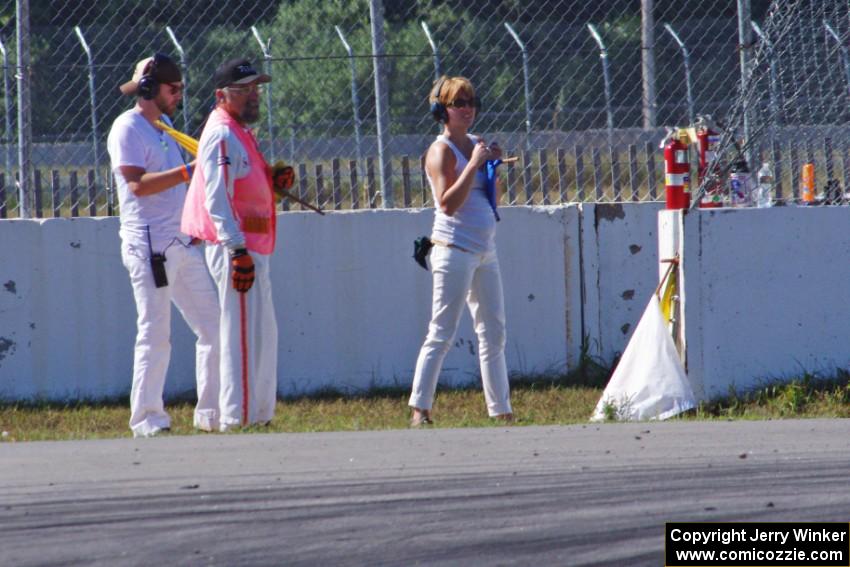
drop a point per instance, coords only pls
(231, 205)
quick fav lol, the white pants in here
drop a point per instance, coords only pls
(248, 342)
(475, 279)
(192, 291)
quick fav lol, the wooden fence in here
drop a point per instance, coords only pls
(541, 177)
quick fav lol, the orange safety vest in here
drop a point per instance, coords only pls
(252, 202)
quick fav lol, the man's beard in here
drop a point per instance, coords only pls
(250, 113)
(164, 108)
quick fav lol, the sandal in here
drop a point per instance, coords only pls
(421, 421)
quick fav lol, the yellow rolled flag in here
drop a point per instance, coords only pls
(670, 290)
(187, 142)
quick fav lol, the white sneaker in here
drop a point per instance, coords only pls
(152, 432)
(225, 427)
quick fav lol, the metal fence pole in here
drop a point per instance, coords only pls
(526, 84)
(687, 61)
(93, 99)
(267, 63)
(845, 55)
(7, 115)
(376, 16)
(647, 61)
(185, 70)
(24, 70)
(606, 77)
(433, 44)
(773, 72)
(744, 46)
(355, 100)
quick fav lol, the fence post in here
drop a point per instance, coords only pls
(320, 185)
(578, 151)
(433, 49)
(596, 160)
(512, 181)
(424, 187)
(55, 194)
(337, 185)
(185, 70)
(355, 184)
(75, 195)
(382, 101)
(526, 84)
(777, 169)
(562, 176)
(355, 100)
(543, 167)
(687, 62)
(527, 179)
(7, 130)
(633, 172)
(606, 78)
(93, 101)
(647, 63)
(267, 63)
(845, 54)
(649, 152)
(24, 109)
(774, 77)
(370, 182)
(405, 180)
(39, 208)
(92, 194)
(302, 184)
(614, 154)
(744, 45)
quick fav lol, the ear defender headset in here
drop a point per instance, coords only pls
(438, 109)
(148, 85)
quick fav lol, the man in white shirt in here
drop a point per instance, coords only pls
(164, 264)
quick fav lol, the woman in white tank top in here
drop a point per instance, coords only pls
(464, 263)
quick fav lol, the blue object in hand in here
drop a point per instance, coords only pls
(490, 185)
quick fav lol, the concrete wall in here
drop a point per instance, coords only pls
(351, 304)
(619, 260)
(764, 292)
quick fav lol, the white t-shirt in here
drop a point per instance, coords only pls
(133, 141)
(473, 225)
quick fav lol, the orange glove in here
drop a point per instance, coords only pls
(242, 270)
(283, 177)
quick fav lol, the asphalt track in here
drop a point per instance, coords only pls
(573, 495)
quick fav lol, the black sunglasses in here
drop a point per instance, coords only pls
(464, 102)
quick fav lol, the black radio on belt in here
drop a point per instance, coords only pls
(160, 278)
(158, 267)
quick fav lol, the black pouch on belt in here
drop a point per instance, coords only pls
(160, 278)
(421, 247)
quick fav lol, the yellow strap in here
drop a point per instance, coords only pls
(187, 142)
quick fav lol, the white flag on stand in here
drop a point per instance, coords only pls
(650, 380)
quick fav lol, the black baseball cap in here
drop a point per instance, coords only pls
(238, 72)
(160, 66)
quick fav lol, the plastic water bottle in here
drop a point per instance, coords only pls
(740, 184)
(764, 192)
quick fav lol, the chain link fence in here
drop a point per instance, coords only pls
(581, 91)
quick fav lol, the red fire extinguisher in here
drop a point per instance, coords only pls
(707, 141)
(677, 169)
